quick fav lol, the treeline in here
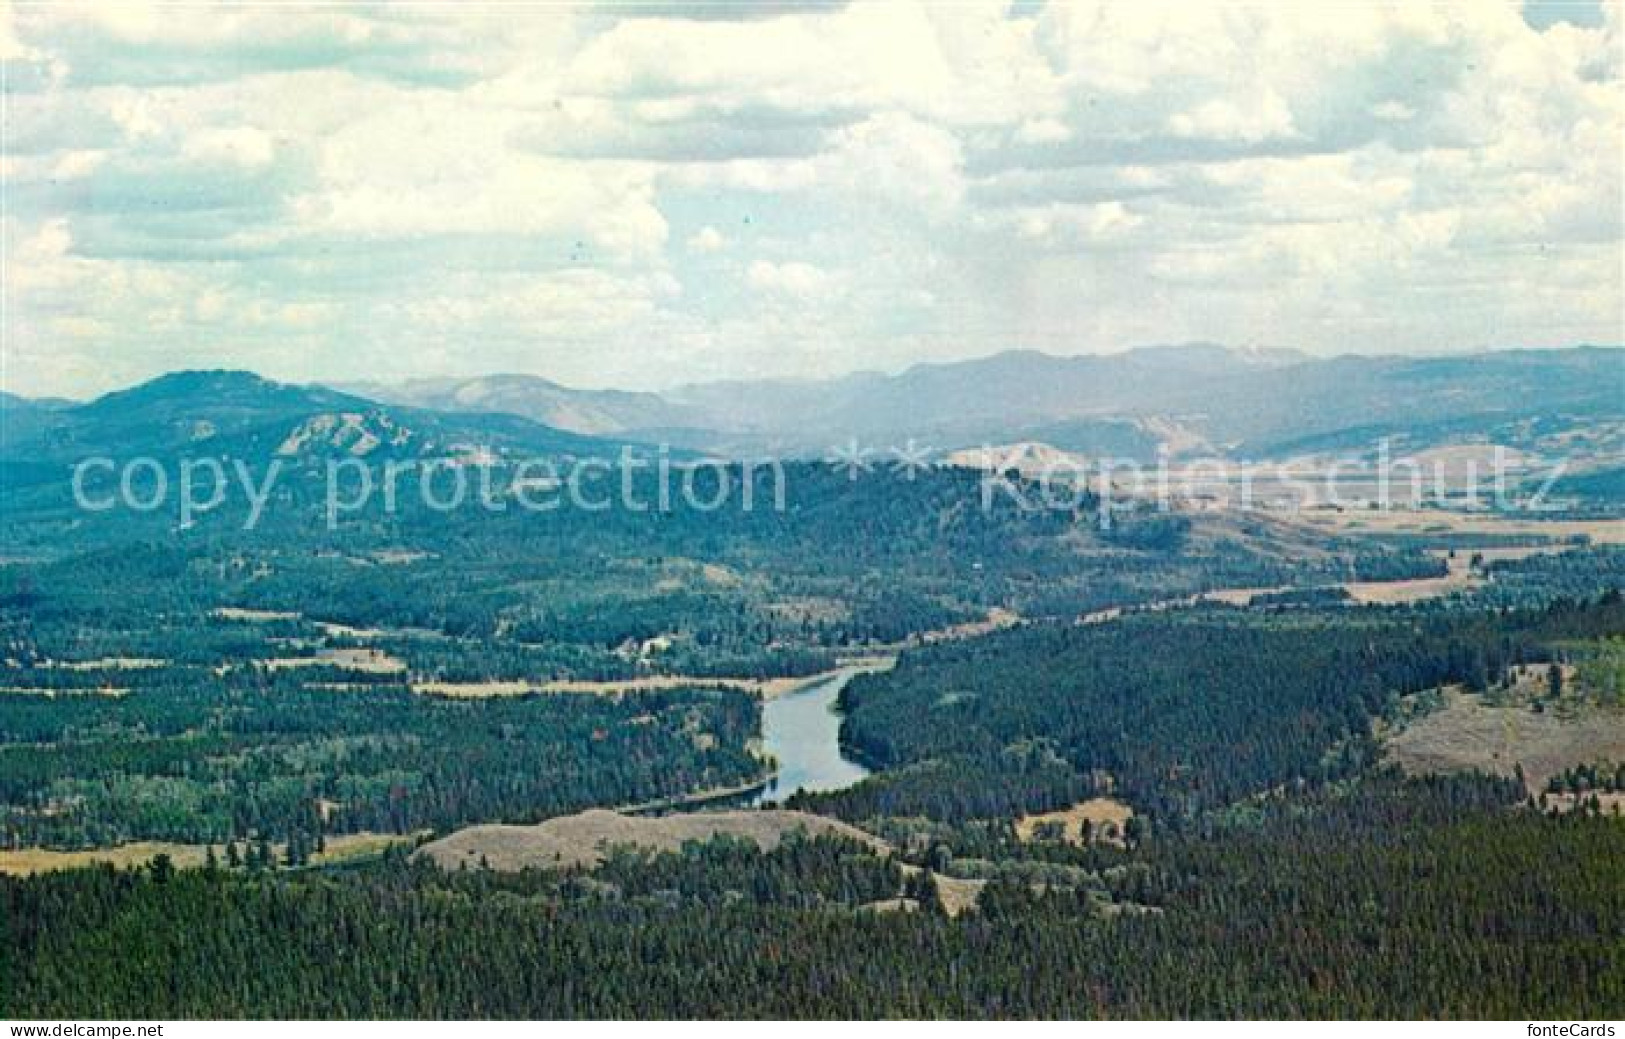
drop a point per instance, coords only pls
(1578, 573)
(1586, 779)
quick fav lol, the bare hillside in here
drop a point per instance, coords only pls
(581, 839)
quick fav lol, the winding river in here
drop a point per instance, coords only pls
(802, 731)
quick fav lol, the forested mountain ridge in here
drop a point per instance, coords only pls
(842, 565)
(236, 415)
(1184, 402)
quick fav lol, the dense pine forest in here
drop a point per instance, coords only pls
(1177, 713)
(265, 756)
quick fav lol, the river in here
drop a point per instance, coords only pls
(802, 731)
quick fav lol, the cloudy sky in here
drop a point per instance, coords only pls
(610, 195)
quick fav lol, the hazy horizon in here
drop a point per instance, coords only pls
(641, 197)
(358, 386)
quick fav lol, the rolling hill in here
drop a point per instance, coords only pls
(241, 415)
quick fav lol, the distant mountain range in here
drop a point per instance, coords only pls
(1192, 400)
(579, 411)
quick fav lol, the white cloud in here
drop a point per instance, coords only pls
(707, 240)
(1043, 131)
(237, 145)
(1254, 119)
(434, 166)
(901, 160)
(1076, 224)
(430, 189)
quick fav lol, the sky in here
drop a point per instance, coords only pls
(609, 195)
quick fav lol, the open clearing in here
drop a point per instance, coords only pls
(956, 893)
(1469, 734)
(645, 684)
(341, 848)
(24, 861)
(1099, 812)
(581, 839)
(246, 616)
(369, 661)
(1460, 577)
(105, 664)
(51, 694)
(1612, 802)
(997, 619)
(1413, 590)
(767, 688)
(1421, 521)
